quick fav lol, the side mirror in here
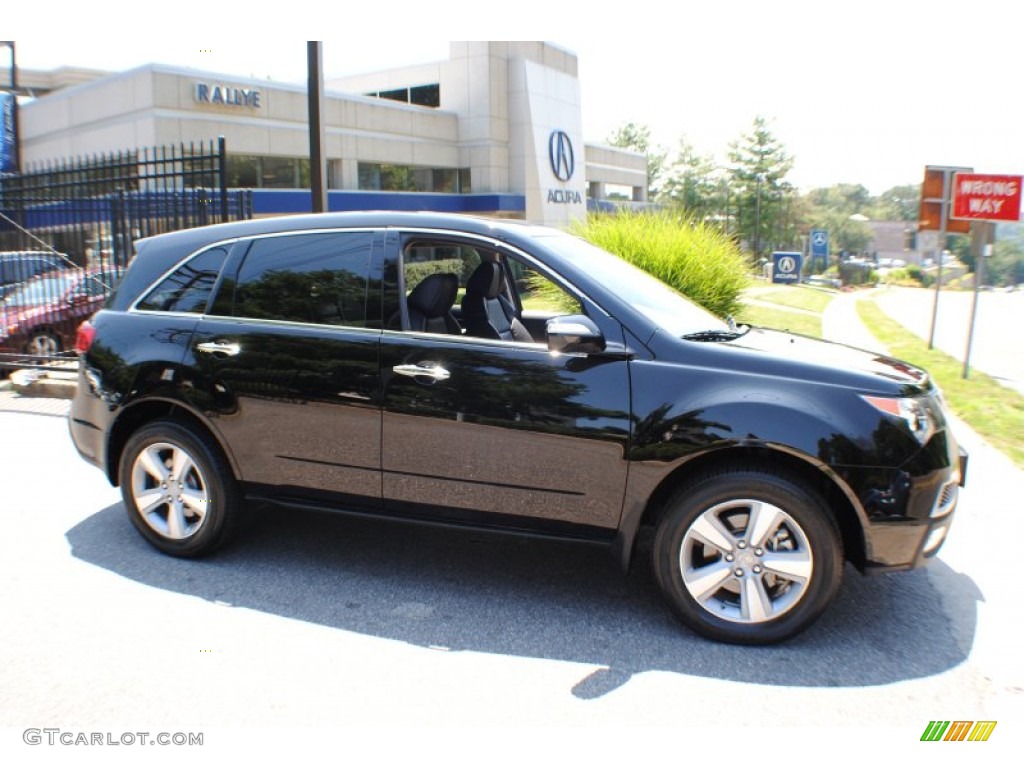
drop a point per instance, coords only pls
(574, 335)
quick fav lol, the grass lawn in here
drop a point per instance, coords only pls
(796, 297)
(991, 409)
(794, 308)
(767, 317)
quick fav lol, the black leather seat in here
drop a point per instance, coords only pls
(485, 312)
(431, 302)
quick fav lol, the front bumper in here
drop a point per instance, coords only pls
(910, 510)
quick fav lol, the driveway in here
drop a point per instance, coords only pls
(998, 345)
(440, 646)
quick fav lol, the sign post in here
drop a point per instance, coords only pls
(982, 246)
(983, 198)
(819, 247)
(934, 214)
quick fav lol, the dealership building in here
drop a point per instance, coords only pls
(494, 129)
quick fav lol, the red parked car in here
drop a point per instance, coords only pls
(41, 316)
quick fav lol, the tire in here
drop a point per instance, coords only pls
(199, 518)
(43, 345)
(747, 556)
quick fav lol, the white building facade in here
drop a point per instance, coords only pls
(495, 129)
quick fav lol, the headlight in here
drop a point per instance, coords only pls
(910, 410)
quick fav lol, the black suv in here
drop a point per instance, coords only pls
(496, 374)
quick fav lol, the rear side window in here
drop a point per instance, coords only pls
(318, 278)
(188, 288)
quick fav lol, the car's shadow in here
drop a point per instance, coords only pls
(534, 598)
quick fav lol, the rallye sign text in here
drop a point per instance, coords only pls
(226, 94)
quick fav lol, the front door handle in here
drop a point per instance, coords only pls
(430, 370)
(228, 349)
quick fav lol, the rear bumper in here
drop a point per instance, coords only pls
(86, 423)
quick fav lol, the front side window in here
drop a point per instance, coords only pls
(477, 291)
(188, 288)
(659, 303)
(537, 293)
(315, 278)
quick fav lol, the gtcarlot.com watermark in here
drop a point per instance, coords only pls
(57, 736)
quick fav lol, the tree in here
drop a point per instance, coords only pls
(690, 183)
(638, 138)
(1006, 267)
(840, 210)
(763, 197)
(900, 203)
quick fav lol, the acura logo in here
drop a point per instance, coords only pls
(563, 161)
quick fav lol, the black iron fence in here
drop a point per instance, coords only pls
(67, 231)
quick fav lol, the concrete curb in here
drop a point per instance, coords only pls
(44, 383)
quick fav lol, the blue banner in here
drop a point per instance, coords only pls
(7, 149)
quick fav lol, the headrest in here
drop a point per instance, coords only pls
(435, 295)
(486, 279)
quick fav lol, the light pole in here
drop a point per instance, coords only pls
(315, 97)
(757, 219)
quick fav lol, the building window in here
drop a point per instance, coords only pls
(399, 94)
(258, 171)
(420, 95)
(618, 192)
(406, 178)
(425, 95)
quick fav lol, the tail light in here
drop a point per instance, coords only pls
(84, 338)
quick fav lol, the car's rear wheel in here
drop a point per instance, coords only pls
(42, 345)
(747, 556)
(178, 489)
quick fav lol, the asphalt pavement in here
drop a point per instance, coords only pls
(453, 648)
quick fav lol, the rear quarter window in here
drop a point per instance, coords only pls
(188, 288)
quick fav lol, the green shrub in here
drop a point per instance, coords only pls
(916, 273)
(696, 259)
(855, 273)
(897, 275)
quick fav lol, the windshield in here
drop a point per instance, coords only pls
(662, 305)
(42, 290)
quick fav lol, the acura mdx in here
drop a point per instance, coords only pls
(496, 374)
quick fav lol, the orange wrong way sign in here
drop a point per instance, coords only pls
(986, 197)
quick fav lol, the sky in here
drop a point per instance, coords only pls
(858, 91)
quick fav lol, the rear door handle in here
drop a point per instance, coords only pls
(226, 348)
(417, 371)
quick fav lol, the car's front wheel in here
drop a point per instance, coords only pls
(178, 489)
(747, 556)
